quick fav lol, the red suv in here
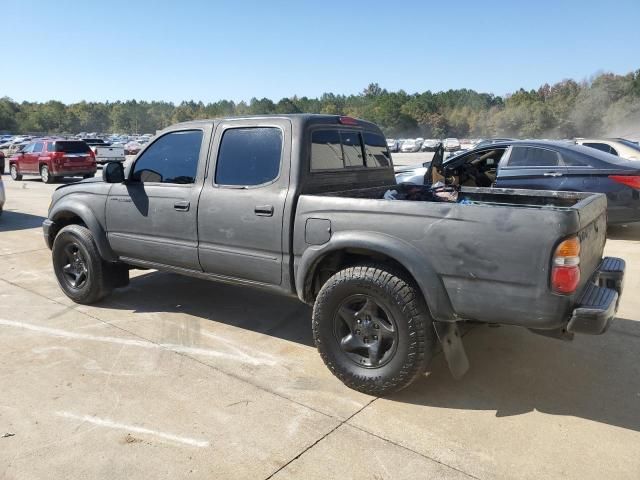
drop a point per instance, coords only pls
(52, 159)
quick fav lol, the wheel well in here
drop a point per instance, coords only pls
(61, 220)
(338, 260)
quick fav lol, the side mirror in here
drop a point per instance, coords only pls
(113, 172)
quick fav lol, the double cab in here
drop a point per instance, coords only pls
(308, 206)
(52, 159)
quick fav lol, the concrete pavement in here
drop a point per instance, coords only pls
(177, 377)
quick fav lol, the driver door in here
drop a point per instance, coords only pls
(152, 216)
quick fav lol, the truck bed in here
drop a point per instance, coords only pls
(497, 247)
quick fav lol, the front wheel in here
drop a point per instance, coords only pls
(373, 329)
(81, 273)
(45, 175)
(13, 170)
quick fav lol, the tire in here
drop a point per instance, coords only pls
(396, 332)
(85, 278)
(45, 175)
(13, 170)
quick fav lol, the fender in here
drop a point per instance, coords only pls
(89, 218)
(402, 252)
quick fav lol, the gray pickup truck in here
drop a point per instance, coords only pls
(302, 205)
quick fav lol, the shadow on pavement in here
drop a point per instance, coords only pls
(10, 221)
(514, 372)
(242, 307)
(624, 232)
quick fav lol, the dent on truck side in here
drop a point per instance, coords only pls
(409, 257)
(89, 208)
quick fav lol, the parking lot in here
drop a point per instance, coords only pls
(176, 377)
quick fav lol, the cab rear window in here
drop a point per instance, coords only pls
(71, 147)
(334, 149)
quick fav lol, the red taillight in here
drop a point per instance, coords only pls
(348, 121)
(632, 181)
(565, 271)
(58, 156)
(91, 154)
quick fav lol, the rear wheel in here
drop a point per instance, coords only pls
(13, 170)
(373, 329)
(45, 175)
(81, 273)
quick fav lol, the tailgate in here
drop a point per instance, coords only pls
(592, 212)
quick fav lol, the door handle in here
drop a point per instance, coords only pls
(181, 206)
(264, 210)
(552, 174)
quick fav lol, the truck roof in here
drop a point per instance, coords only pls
(296, 118)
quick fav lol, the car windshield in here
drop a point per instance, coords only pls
(70, 146)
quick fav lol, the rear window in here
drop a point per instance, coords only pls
(71, 147)
(376, 149)
(336, 149)
(533, 157)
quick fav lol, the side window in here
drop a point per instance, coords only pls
(51, 147)
(613, 151)
(533, 157)
(326, 151)
(352, 148)
(377, 153)
(249, 156)
(603, 147)
(28, 148)
(37, 148)
(173, 158)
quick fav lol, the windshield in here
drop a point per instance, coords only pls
(72, 147)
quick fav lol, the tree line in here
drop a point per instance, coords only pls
(607, 104)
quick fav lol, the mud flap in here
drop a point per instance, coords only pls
(451, 341)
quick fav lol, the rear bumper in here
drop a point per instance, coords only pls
(598, 303)
(75, 172)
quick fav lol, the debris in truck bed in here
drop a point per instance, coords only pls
(438, 192)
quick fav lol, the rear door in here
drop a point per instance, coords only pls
(240, 213)
(532, 167)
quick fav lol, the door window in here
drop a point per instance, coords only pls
(51, 147)
(533, 157)
(37, 148)
(603, 147)
(28, 148)
(249, 156)
(173, 158)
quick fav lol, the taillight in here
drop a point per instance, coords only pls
(565, 271)
(91, 154)
(632, 181)
(58, 156)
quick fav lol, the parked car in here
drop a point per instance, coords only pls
(2, 196)
(393, 145)
(430, 145)
(302, 205)
(52, 159)
(620, 147)
(410, 145)
(132, 148)
(451, 144)
(105, 152)
(543, 165)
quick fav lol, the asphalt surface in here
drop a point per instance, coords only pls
(174, 377)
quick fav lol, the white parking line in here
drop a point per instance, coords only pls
(104, 422)
(55, 332)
